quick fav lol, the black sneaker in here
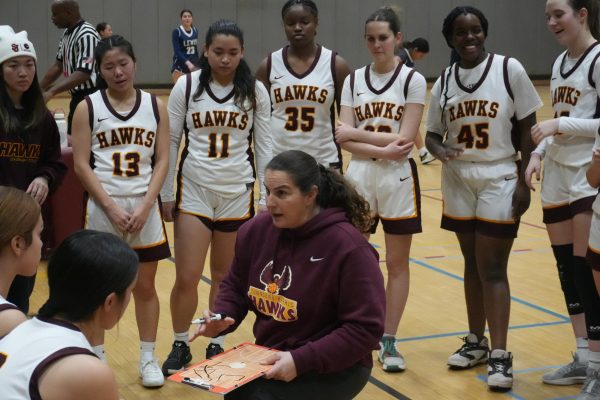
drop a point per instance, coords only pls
(500, 372)
(177, 359)
(213, 349)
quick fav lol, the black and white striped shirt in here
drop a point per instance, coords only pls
(76, 52)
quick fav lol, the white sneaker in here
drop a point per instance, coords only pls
(391, 360)
(500, 372)
(426, 158)
(151, 374)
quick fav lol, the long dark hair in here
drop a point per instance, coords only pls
(593, 13)
(33, 105)
(86, 268)
(333, 190)
(243, 82)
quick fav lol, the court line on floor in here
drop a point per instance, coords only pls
(389, 390)
(515, 299)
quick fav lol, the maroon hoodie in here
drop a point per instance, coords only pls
(316, 290)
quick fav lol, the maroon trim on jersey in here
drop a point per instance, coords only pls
(410, 225)
(90, 112)
(188, 89)
(269, 66)
(218, 100)
(138, 101)
(480, 82)
(505, 76)
(567, 211)
(332, 64)
(593, 259)
(387, 85)
(338, 165)
(591, 71)
(305, 73)
(34, 390)
(155, 253)
(487, 228)
(59, 322)
(565, 75)
(352, 83)
(407, 83)
(155, 108)
(8, 306)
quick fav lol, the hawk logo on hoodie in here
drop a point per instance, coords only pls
(269, 301)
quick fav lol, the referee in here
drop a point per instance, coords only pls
(75, 57)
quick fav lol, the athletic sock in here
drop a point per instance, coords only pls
(220, 340)
(582, 350)
(147, 351)
(182, 337)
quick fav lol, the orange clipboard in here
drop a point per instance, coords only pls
(228, 370)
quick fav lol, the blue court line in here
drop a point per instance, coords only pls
(464, 333)
(515, 299)
(523, 371)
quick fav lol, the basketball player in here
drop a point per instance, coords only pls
(90, 276)
(185, 46)
(304, 80)
(221, 109)
(382, 105)
(20, 248)
(567, 196)
(472, 106)
(126, 131)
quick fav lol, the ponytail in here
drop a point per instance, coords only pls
(335, 191)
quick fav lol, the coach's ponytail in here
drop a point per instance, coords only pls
(333, 190)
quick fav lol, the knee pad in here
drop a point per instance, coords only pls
(589, 296)
(564, 263)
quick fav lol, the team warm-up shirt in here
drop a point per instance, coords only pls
(217, 153)
(76, 52)
(303, 113)
(475, 108)
(123, 144)
(30, 348)
(575, 92)
(378, 100)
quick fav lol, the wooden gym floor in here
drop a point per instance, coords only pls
(540, 335)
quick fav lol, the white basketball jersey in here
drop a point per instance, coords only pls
(29, 348)
(217, 153)
(123, 145)
(380, 109)
(303, 114)
(573, 94)
(478, 114)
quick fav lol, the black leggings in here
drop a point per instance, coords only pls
(343, 385)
